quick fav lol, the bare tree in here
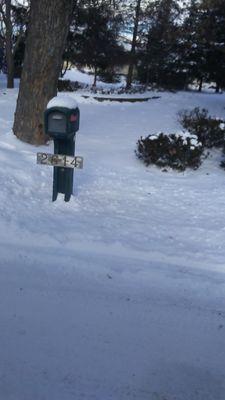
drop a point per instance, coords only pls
(12, 32)
(47, 32)
(134, 44)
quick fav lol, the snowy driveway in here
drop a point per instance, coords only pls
(119, 294)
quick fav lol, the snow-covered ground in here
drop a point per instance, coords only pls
(76, 75)
(120, 293)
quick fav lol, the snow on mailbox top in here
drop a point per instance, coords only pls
(63, 101)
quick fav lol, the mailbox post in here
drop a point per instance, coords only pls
(62, 119)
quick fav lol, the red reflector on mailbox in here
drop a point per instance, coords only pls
(73, 118)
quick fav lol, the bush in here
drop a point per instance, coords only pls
(222, 164)
(176, 151)
(109, 76)
(210, 131)
(69, 86)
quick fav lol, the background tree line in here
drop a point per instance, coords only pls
(161, 42)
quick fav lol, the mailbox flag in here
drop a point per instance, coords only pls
(73, 118)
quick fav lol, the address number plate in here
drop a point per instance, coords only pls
(60, 160)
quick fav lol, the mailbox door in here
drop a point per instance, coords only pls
(57, 122)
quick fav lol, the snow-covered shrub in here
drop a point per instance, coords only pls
(109, 76)
(210, 131)
(118, 90)
(177, 151)
(222, 164)
(69, 86)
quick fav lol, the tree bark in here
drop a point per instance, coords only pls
(200, 84)
(47, 32)
(95, 77)
(9, 46)
(134, 45)
(217, 87)
(147, 77)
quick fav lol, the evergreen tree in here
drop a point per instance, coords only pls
(13, 18)
(93, 36)
(160, 61)
(204, 42)
(213, 25)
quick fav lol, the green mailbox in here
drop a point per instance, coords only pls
(62, 120)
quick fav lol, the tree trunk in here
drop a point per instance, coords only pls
(48, 28)
(9, 46)
(147, 77)
(200, 84)
(95, 76)
(217, 87)
(64, 68)
(134, 45)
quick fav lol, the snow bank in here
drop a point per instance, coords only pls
(75, 75)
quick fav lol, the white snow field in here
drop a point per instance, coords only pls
(120, 293)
